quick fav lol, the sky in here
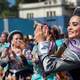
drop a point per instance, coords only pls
(11, 2)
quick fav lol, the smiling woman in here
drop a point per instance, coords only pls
(74, 27)
(70, 58)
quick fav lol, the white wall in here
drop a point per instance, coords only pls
(41, 12)
(40, 9)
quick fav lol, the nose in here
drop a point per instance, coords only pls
(69, 27)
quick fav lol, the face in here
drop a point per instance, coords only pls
(74, 27)
(16, 40)
(3, 37)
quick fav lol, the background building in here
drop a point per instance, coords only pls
(47, 8)
(52, 12)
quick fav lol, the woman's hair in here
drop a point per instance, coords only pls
(76, 11)
(55, 32)
(10, 37)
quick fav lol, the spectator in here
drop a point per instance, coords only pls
(38, 69)
(15, 54)
(3, 41)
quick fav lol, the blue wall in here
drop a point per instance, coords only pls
(1, 26)
(26, 25)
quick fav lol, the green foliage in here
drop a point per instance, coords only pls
(6, 11)
(4, 8)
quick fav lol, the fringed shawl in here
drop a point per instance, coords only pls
(74, 45)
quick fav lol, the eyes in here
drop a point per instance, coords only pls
(74, 24)
(18, 38)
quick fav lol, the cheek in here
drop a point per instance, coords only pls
(74, 32)
(78, 31)
(14, 41)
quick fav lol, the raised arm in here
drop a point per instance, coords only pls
(68, 61)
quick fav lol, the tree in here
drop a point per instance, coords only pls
(15, 7)
(6, 11)
(3, 8)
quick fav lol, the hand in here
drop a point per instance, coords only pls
(46, 30)
(22, 44)
(39, 36)
(35, 58)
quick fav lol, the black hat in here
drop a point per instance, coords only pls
(14, 32)
(77, 11)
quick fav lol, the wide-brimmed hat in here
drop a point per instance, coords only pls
(14, 32)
